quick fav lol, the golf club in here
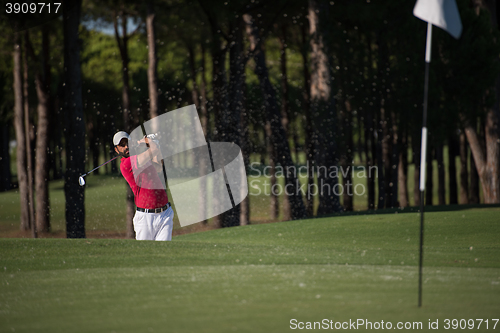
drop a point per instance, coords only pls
(82, 181)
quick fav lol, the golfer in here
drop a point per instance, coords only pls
(153, 219)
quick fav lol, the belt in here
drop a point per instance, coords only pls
(154, 210)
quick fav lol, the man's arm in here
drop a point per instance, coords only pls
(127, 173)
(152, 154)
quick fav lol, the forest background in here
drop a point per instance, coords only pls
(293, 83)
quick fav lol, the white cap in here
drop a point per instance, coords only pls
(119, 136)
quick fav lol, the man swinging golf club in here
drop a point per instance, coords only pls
(153, 219)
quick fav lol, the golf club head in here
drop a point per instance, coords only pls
(81, 181)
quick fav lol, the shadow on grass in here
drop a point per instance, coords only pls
(438, 208)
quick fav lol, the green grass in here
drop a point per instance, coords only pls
(257, 278)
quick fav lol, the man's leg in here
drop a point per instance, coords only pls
(165, 225)
(143, 226)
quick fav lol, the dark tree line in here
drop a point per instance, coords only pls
(313, 82)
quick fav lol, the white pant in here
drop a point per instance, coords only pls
(154, 226)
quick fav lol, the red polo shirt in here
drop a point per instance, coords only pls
(148, 188)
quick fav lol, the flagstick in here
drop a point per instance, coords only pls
(423, 154)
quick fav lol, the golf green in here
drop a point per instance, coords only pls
(322, 273)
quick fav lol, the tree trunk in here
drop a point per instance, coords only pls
(474, 175)
(246, 151)
(383, 124)
(245, 211)
(296, 144)
(204, 101)
(274, 204)
(487, 161)
(152, 62)
(323, 109)
(474, 183)
(490, 175)
(219, 102)
(394, 155)
(278, 137)
(22, 172)
(75, 128)
(284, 81)
(219, 84)
(452, 169)
(370, 127)
(202, 167)
(192, 67)
(231, 116)
(106, 155)
(56, 132)
(403, 173)
(42, 142)
(204, 117)
(114, 163)
(360, 146)
(309, 140)
(93, 132)
(5, 175)
(464, 181)
(441, 175)
(128, 118)
(287, 215)
(29, 132)
(347, 166)
(429, 182)
(370, 158)
(380, 166)
(416, 162)
(386, 156)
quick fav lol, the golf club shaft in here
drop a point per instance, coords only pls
(114, 158)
